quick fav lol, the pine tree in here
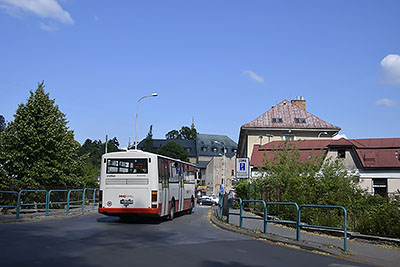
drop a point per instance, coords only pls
(36, 149)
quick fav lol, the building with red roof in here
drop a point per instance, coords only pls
(285, 121)
(377, 161)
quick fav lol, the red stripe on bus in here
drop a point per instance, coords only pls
(128, 210)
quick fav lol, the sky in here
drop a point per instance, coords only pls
(223, 63)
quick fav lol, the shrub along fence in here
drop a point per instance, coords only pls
(44, 201)
(367, 214)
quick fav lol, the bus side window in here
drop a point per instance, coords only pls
(160, 170)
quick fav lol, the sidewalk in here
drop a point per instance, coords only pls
(379, 255)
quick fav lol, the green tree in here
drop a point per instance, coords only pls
(148, 143)
(174, 150)
(185, 133)
(173, 134)
(93, 150)
(2, 123)
(36, 149)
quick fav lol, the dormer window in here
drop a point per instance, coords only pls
(300, 120)
(277, 120)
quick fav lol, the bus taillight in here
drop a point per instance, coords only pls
(100, 198)
(153, 196)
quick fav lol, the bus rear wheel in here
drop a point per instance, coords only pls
(172, 212)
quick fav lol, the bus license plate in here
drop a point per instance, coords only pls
(126, 202)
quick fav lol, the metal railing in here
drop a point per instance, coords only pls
(47, 202)
(344, 229)
(296, 223)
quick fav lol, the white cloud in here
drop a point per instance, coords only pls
(385, 102)
(253, 76)
(391, 69)
(48, 9)
(49, 27)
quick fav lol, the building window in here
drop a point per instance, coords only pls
(277, 120)
(380, 186)
(233, 172)
(341, 154)
(289, 137)
(300, 120)
(204, 149)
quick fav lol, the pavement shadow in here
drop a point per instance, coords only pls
(130, 220)
(226, 264)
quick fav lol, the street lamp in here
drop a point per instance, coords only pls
(137, 114)
(224, 172)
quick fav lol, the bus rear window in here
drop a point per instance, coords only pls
(127, 166)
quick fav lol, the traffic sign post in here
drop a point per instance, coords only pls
(242, 168)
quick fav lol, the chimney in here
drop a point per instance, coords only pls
(300, 102)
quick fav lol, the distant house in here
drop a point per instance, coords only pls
(285, 121)
(376, 160)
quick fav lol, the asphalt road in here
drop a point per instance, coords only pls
(188, 240)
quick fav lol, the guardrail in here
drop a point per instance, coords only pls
(296, 223)
(48, 202)
(344, 229)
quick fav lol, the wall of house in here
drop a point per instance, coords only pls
(349, 160)
(366, 184)
(393, 185)
(253, 137)
(215, 171)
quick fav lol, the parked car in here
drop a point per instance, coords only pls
(206, 200)
(215, 199)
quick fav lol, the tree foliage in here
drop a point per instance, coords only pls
(36, 149)
(185, 133)
(148, 143)
(2, 123)
(93, 150)
(174, 150)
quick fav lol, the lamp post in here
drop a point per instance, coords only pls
(137, 115)
(224, 172)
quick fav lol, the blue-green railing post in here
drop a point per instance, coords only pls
(345, 229)
(94, 198)
(83, 200)
(265, 218)
(68, 197)
(18, 205)
(227, 215)
(241, 215)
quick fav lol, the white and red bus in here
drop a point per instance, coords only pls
(135, 182)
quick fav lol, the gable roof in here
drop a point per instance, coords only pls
(372, 153)
(288, 112)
